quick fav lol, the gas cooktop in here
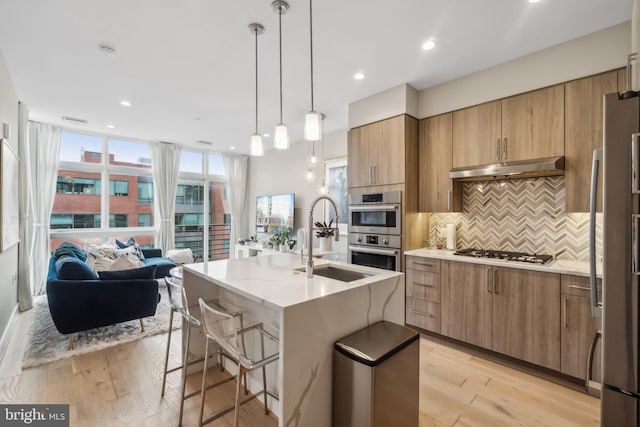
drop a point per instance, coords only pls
(505, 255)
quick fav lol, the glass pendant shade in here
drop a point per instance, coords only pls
(256, 145)
(281, 138)
(313, 126)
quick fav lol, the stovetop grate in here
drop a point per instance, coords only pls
(505, 255)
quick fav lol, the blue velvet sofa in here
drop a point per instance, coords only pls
(79, 300)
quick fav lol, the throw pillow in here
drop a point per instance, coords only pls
(106, 250)
(68, 248)
(180, 256)
(147, 272)
(131, 243)
(98, 262)
(71, 268)
(126, 262)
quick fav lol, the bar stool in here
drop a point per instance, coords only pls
(178, 300)
(226, 331)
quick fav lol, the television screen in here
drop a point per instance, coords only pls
(274, 213)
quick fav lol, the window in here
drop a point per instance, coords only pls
(216, 165)
(117, 173)
(118, 220)
(190, 194)
(191, 161)
(226, 245)
(144, 220)
(227, 219)
(145, 191)
(75, 147)
(76, 185)
(63, 221)
(118, 188)
(128, 153)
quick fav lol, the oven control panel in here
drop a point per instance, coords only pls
(380, 240)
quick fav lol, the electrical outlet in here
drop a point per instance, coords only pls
(14, 279)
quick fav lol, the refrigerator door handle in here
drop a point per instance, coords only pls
(635, 167)
(635, 242)
(596, 307)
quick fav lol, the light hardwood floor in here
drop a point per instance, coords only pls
(120, 386)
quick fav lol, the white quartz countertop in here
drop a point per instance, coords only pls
(560, 266)
(274, 280)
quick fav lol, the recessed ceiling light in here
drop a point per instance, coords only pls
(266, 135)
(358, 76)
(125, 103)
(534, 1)
(429, 44)
(111, 126)
(232, 147)
(196, 118)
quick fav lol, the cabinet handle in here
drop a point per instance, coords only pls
(495, 282)
(635, 163)
(370, 174)
(375, 173)
(449, 200)
(564, 312)
(422, 284)
(505, 149)
(489, 280)
(426, 264)
(498, 149)
(584, 288)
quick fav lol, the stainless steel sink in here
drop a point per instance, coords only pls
(336, 273)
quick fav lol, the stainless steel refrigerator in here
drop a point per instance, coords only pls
(620, 398)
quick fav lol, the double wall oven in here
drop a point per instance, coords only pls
(375, 230)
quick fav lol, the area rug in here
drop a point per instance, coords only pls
(45, 344)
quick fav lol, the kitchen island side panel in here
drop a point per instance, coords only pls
(310, 331)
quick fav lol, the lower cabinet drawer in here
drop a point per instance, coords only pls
(423, 285)
(423, 314)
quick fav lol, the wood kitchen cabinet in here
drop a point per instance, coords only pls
(477, 134)
(526, 315)
(583, 134)
(578, 328)
(510, 311)
(521, 127)
(533, 125)
(376, 152)
(438, 192)
(466, 307)
(422, 279)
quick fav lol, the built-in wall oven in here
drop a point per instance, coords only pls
(375, 230)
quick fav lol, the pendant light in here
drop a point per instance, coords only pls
(256, 138)
(313, 121)
(281, 137)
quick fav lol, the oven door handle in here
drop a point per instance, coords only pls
(374, 208)
(374, 250)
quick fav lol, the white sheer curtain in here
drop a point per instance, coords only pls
(25, 272)
(40, 149)
(166, 165)
(235, 167)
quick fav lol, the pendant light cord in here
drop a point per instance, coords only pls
(256, 36)
(311, 46)
(280, 35)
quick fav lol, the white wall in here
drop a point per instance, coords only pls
(279, 172)
(594, 53)
(8, 258)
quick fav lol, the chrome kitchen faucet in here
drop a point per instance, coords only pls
(309, 268)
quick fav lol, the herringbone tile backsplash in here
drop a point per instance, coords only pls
(526, 215)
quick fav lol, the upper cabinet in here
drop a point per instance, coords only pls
(533, 125)
(377, 153)
(438, 192)
(583, 134)
(477, 134)
(522, 127)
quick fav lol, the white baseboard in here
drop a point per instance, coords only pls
(8, 333)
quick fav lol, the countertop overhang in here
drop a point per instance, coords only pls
(559, 266)
(273, 279)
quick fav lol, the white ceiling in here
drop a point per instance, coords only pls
(181, 60)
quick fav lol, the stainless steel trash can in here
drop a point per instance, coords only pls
(375, 377)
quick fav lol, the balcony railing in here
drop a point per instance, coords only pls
(219, 236)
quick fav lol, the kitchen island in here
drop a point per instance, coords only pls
(307, 314)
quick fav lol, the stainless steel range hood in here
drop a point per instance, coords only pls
(510, 170)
